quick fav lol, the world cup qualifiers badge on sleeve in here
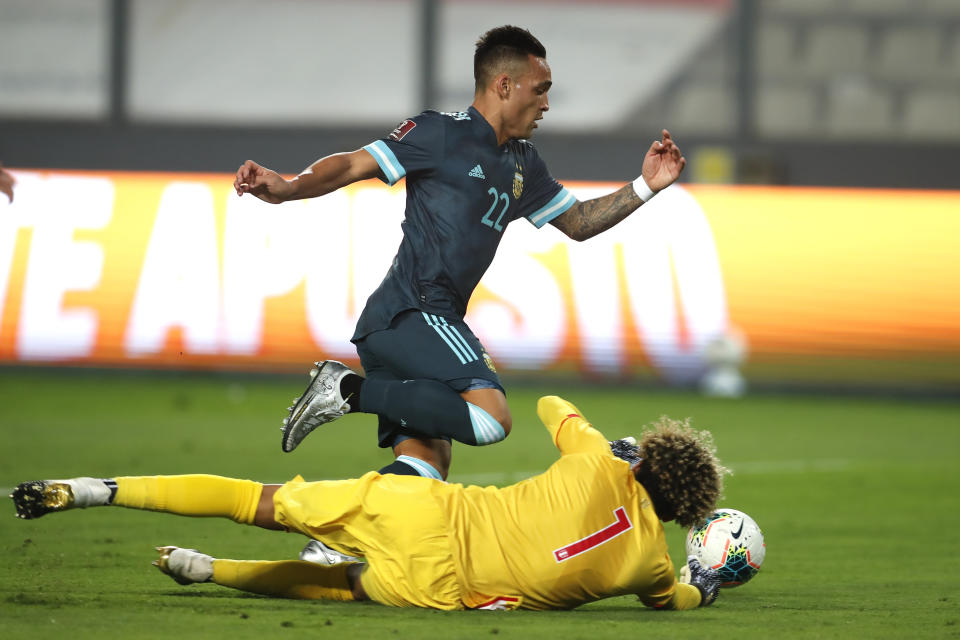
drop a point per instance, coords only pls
(402, 129)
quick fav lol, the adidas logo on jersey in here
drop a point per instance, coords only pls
(477, 172)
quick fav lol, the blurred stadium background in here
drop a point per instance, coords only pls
(811, 245)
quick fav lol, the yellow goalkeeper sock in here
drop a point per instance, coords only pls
(191, 495)
(285, 579)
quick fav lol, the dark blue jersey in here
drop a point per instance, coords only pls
(462, 192)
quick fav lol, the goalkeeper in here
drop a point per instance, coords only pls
(588, 528)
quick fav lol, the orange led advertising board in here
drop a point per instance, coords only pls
(174, 270)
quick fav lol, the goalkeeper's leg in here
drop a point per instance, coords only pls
(292, 579)
(243, 501)
(283, 579)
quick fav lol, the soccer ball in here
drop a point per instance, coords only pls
(729, 542)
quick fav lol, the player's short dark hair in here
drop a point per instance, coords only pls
(680, 471)
(500, 47)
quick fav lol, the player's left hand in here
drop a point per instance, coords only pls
(663, 163)
(6, 183)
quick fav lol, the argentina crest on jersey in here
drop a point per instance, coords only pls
(487, 360)
(518, 182)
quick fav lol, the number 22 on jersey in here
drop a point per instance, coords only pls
(488, 216)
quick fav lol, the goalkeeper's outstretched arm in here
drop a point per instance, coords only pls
(570, 431)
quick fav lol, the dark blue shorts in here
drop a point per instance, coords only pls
(419, 346)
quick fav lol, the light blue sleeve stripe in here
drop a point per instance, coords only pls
(388, 162)
(425, 469)
(560, 203)
(486, 430)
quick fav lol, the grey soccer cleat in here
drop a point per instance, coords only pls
(319, 553)
(320, 403)
(40, 497)
(185, 566)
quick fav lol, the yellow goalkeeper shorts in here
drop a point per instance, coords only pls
(393, 521)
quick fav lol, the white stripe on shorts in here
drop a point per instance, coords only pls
(454, 333)
(452, 337)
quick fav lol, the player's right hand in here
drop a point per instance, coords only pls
(704, 579)
(266, 184)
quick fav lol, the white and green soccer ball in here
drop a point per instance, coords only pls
(729, 542)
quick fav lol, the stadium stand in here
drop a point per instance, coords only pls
(860, 69)
(930, 112)
(859, 109)
(909, 52)
(710, 108)
(789, 109)
(835, 48)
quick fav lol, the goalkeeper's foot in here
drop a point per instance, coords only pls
(185, 566)
(319, 553)
(40, 497)
(320, 403)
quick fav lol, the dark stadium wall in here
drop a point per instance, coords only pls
(43, 145)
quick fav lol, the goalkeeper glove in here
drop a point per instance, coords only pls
(707, 581)
(626, 449)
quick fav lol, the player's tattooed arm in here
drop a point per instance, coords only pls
(662, 165)
(586, 219)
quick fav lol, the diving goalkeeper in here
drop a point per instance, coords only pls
(587, 528)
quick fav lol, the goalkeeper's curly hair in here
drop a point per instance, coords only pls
(680, 471)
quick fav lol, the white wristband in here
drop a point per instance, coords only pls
(642, 189)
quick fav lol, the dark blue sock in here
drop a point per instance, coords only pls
(399, 468)
(410, 466)
(431, 408)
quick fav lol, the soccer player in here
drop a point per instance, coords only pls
(468, 175)
(588, 528)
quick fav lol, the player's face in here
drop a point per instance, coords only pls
(528, 99)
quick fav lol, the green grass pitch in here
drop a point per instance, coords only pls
(857, 498)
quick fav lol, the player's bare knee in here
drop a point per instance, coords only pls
(494, 403)
(501, 414)
(506, 421)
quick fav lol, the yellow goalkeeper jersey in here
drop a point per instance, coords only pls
(583, 530)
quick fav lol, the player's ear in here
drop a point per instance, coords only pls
(503, 86)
